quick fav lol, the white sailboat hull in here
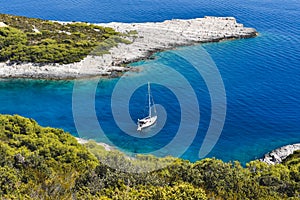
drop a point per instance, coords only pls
(146, 122)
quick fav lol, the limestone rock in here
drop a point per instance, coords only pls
(278, 155)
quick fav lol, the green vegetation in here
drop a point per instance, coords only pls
(48, 163)
(38, 162)
(41, 41)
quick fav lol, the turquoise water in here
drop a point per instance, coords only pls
(261, 77)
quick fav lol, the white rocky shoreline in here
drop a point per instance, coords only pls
(147, 39)
(278, 155)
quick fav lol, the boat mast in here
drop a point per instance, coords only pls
(149, 99)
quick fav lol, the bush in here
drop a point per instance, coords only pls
(41, 41)
(47, 163)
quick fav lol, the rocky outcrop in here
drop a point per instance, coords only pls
(146, 38)
(278, 155)
(84, 141)
(90, 66)
(2, 24)
(152, 37)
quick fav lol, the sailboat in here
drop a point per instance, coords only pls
(151, 118)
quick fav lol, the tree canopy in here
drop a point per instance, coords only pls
(42, 41)
(47, 163)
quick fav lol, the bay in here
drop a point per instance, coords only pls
(261, 76)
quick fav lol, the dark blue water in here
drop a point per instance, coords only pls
(261, 76)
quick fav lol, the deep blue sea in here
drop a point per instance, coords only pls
(261, 77)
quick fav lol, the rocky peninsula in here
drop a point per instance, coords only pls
(146, 39)
(278, 155)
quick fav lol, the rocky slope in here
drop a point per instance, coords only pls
(278, 155)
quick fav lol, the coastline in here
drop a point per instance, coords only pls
(84, 141)
(147, 38)
(273, 157)
(278, 155)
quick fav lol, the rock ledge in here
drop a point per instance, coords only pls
(278, 155)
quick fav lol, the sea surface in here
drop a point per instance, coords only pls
(261, 77)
